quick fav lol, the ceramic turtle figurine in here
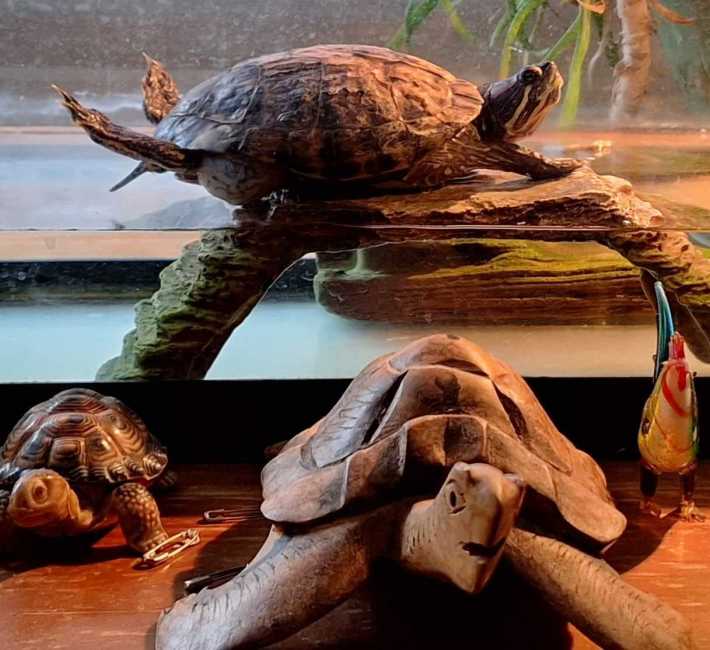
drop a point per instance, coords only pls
(355, 487)
(78, 462)
(333, 116)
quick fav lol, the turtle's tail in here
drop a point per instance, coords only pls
(154, 154)
(293, 581)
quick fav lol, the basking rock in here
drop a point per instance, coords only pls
(206, 293)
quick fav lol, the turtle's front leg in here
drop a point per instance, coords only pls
(139, 517)
(527, 162)
(592, 596)
(687, 509)
(294, 580)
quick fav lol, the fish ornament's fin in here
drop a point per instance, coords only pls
(664, 328)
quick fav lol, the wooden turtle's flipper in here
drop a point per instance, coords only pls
(158, 155)
(291, 583)
(139, 517)
(592, 596)
(160, 92)
(462, 155)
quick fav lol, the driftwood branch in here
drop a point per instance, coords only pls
(206, 293)
(632, 72)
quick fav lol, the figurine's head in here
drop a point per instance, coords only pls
(514, 107)
(476, 508)
(39, 498)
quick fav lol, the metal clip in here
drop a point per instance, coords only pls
(223, 515)
(171, 547)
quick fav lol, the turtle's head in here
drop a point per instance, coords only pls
(514, 107)
(474, 512)
(40, 497)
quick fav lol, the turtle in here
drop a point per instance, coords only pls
(361, 485)
(78, 462)
(333, 117)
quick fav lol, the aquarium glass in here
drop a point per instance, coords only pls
(75, 259)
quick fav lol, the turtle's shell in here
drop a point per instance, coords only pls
(332, 111)
(388, 426)
(85, 437)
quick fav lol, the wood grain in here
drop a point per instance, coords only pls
(96, 598)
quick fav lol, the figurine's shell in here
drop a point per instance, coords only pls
(346, 112)
(85, 437)
(408, 417)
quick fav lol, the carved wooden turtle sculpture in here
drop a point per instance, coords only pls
(329, 115)
(357, 486)
(77, 462)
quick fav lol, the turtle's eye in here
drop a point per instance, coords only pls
(455, 500)
(531, 74)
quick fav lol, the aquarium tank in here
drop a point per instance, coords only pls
(529, 175)
(76, 258)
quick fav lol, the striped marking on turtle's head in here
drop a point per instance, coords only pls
(516, 106)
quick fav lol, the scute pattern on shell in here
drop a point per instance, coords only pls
(330, 111)
(83, 436)
(438, 401)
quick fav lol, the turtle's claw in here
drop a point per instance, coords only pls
(84, 117)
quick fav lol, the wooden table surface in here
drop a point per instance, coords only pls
(97, 599)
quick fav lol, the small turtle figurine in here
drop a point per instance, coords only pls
(330, 116)
(388, 473)
(79, 461)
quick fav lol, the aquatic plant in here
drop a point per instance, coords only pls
(629, 52)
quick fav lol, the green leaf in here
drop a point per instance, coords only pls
(456, 21)
(566, 41)
(417, 12)
(399, 40)
(503, 23)
(570, 104)
(522, 15)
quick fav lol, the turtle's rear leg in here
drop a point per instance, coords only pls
(157, 155)
(160, 92)
(139, 517)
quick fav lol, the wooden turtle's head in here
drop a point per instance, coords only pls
(41, 498)
(475, 510)
(514, 107)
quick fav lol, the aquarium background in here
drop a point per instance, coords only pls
(74, 258)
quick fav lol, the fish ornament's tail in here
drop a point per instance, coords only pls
(665, 329)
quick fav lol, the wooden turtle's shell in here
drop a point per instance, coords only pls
(85, 437)
(387, 426)
(345, 112)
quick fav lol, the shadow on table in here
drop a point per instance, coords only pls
(396, 609)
